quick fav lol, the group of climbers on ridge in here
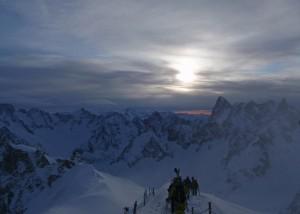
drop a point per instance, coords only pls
(179, 192)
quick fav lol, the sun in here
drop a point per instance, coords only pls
(186, 76)
(186, 68)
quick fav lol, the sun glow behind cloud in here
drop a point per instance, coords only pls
(186, 68)
(188, 62)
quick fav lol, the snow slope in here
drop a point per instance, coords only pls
(86, 190)
(24, 172)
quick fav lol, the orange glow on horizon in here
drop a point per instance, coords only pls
(195, 112)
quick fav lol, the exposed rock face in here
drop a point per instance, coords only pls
(24, 170)
(221, 110)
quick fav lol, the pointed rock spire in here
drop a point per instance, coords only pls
(221, 105)
(221, 110)
(283, 105)
(7, 108)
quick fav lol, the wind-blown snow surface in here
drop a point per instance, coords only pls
(247, 153)
(86, 190)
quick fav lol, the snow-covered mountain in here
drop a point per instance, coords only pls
(110, 137)
(24, 172)
(245, 152)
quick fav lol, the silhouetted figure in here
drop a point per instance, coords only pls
(135, 207)
(177, 196)
(153, 191)
(209, 208)
(187, 187)
(195, 186)
(145, 197)
(170, 199)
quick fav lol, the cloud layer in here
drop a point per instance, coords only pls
(120, 53)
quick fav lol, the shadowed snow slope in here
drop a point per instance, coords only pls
(86, 190)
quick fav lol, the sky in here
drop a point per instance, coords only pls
(161, 54)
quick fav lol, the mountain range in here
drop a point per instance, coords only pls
(246, 153)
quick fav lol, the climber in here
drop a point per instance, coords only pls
(170, 199)
(177, 196)
(187, 187)
(180, 200)
(135, 207)
(145, 197)
(195, 186)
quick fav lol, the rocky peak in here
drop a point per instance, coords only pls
(6, 108)
(23, 170)
(283, 106)
(84, 113)
(221, 105)
(221, 109)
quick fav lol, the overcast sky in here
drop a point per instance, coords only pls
(163, 54)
